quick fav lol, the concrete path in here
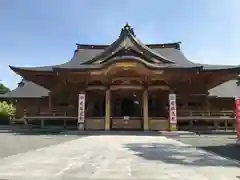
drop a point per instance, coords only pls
(118, 157)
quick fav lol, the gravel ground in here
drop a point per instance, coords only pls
(11, 144)
(223, 145)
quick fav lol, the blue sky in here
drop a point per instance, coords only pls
(44, 32)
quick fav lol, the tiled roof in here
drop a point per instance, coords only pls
(28, 89)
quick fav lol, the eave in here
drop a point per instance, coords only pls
(28, 90)
(219, 68)
(37, 70)
(42, 76)
(215, 77)
(90, 67)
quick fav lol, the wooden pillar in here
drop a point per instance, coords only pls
(226, 124)
(65, 123)
(185, 101)
(190, 124)
(145, 110)
(50, 100)
(42, 123)
(24, 116)
(107, 110)
(215, 124)
(207, 105)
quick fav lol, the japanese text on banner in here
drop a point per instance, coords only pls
(172, 109)
(81, 108)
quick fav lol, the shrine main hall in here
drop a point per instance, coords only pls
(125, 86)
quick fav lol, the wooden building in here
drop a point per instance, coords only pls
(127, 86)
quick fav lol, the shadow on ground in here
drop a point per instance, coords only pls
(182, 155)
(231, 151)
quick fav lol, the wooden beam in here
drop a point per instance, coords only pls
(95, 87)
(157, 87)
(117, 87)
(50, 100)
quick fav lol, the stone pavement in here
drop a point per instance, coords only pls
(11, 144)
(111, 157)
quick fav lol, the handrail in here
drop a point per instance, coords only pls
(52, 113)
(208, 110)
(205, 113)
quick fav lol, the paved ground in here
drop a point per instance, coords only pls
(118, 157)
(11, 144)
(223, 145)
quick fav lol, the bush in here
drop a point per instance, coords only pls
(7, 111)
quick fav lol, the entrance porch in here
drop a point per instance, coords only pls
(126, 109)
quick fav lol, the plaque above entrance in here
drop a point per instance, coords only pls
(126, 65)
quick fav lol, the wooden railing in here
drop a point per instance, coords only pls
(197, 113)
(52, 112)
(206, 119)
(46, 112)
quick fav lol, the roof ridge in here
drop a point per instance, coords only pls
(175, 45)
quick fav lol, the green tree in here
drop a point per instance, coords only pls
(3, 89)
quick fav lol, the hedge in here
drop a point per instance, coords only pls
(7, 112)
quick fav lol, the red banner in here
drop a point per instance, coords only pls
(237, 102)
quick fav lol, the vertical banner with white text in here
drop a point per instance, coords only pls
(81, 108)
(172, 112)
(237, 102)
